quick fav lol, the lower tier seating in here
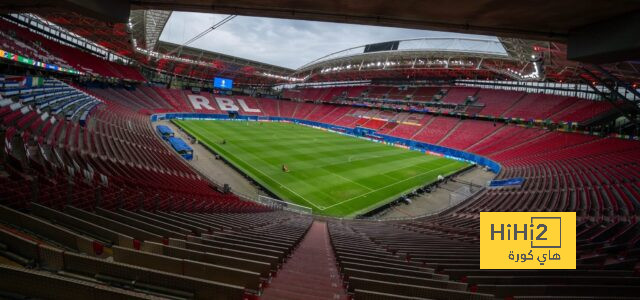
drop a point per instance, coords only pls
(438, 258)
(102, 208)
(139, 254)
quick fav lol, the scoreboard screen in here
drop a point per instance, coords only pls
(388, 46)
(222, 83)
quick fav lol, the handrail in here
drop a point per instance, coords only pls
(283, 205)
(451, 205)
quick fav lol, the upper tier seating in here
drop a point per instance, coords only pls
(424, 93)
(312, 94)
(355, 91)
(379, 91)
(399, 93)
(581, 111)
(538, 106)
(291, 94)
(333, 93)
(24, 42)
(33, 51)
(458, 95)
(496, 103)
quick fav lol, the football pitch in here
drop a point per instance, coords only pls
(334, 174)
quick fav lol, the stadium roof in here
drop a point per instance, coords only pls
(505, 58)
(147, 26)
(554, 22)
(199, 63)
(546, 20)
(284, 42)
(475, 46)
(576, 22)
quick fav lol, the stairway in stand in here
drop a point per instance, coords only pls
(310, 273)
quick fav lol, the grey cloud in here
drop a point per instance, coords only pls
(287, 43)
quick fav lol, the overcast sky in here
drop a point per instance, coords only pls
(281, 42)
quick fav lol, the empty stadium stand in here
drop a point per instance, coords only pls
(438, 258)
(459, 95)
(424, 93)
(436, 130)
(467, 134)
(57, 131)
(20, 40)
(182, 255)
(94, 203)
(489, 103)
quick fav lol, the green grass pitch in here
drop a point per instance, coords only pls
(335, 175)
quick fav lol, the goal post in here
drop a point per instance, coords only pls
(283, 205)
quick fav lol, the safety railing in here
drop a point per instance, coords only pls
(282, 205)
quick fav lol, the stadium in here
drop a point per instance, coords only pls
(319, 149)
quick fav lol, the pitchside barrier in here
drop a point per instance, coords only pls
(456, 198)
(283, 205)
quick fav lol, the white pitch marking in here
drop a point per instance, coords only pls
(384, 187)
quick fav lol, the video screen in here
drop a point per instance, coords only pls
(222, 83)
